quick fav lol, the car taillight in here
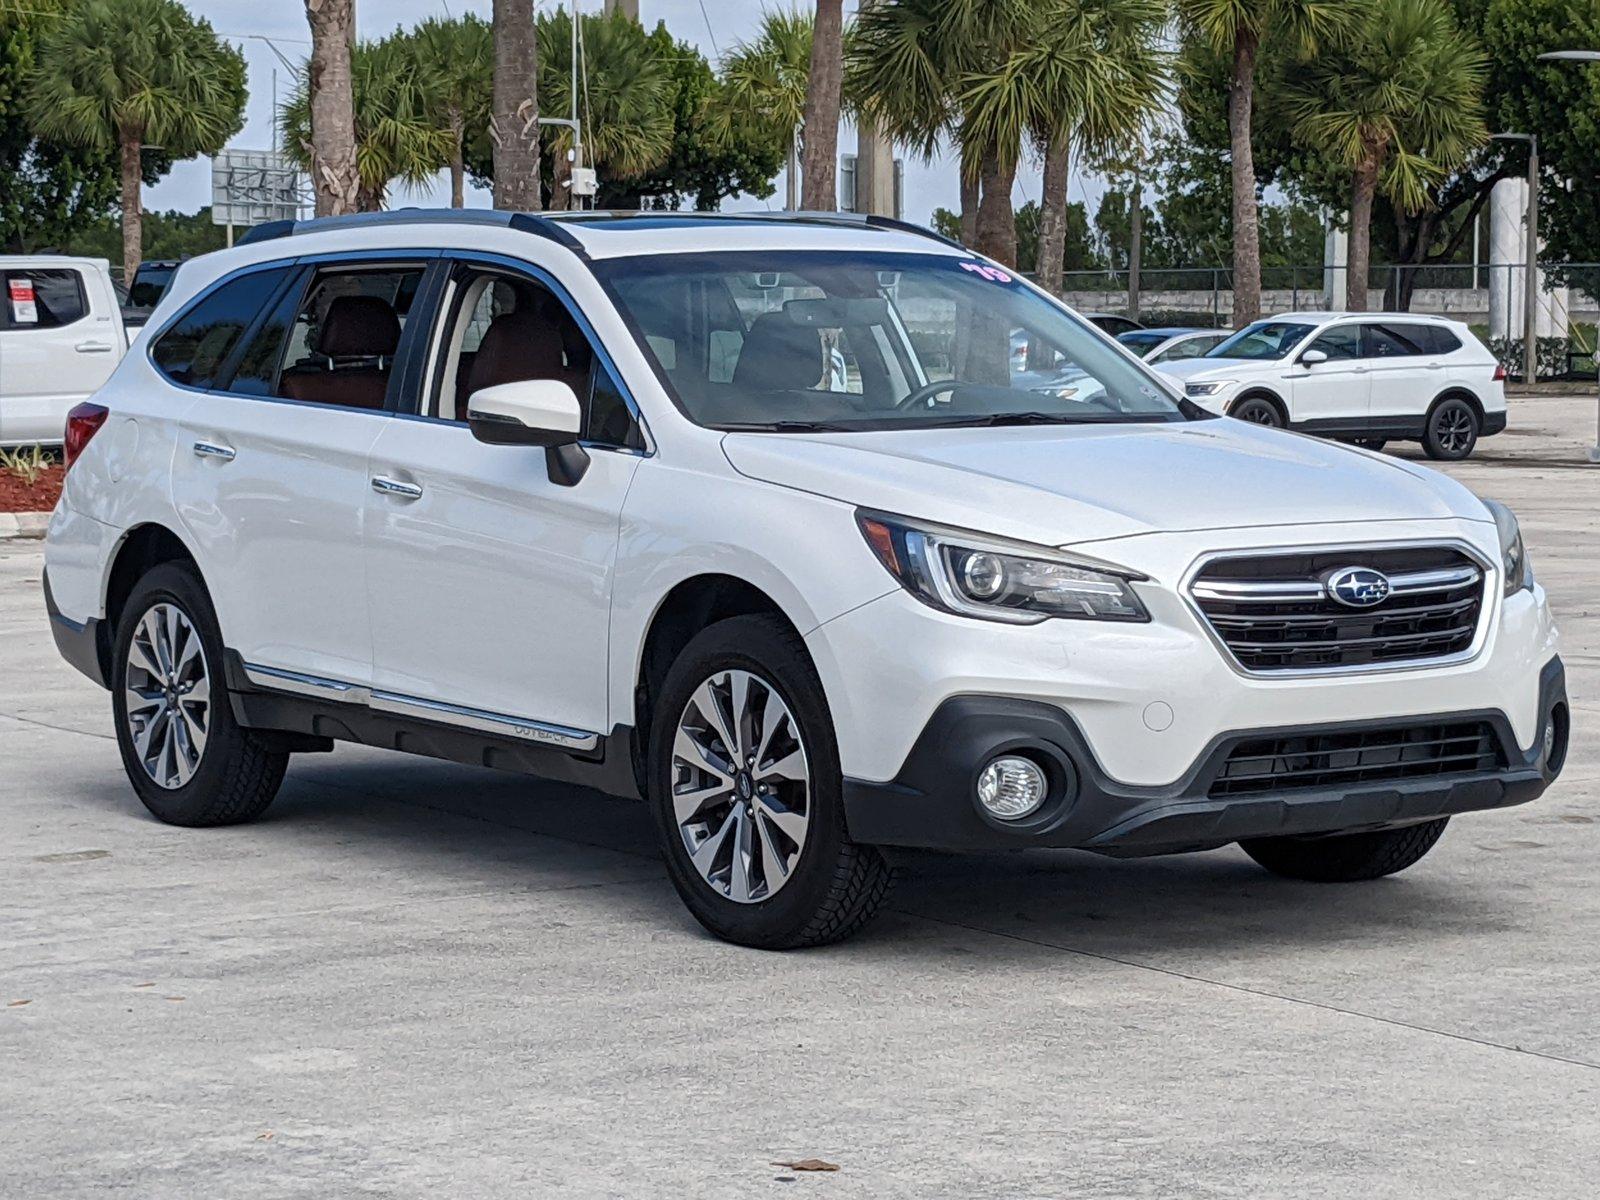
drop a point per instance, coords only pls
(1499, 372)
(83, 422)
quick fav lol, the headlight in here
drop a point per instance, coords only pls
(963, 572)
(1207, 389)
(1513, 555)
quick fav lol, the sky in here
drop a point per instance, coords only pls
(257, 26)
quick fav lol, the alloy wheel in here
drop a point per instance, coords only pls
(1452, 429)
(741, 786)
(167, 692)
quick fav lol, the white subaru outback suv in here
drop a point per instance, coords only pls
(748, 518)
(1369, 378)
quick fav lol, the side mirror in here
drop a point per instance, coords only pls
(533, 412)
(1312, 357)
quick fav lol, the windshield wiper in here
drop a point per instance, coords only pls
(993, 420)
(788, 426)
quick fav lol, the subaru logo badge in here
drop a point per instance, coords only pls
(1358, 587)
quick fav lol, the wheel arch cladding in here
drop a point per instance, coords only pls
(690, 606)
(143, 548)
(1456, 392)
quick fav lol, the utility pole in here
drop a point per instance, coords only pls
(1135, 243)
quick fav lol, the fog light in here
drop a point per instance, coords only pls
(1011, 787)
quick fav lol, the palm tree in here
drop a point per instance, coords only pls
(624, 97)
(455, 61)
(395, 137)
(1093, 70)
(514, 122)
(123, 74)
(912, 67)
(1400, 107)
(819, 189)
(1236, 28)
(330, 148)
(766, 80)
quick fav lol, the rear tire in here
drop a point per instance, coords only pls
(1452, 430)
(1258, 410)
(190, 762)
(1346, 858)
(772, 865)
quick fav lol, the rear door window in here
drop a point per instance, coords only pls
(196, 349)
(44, 299)
(1393, 341)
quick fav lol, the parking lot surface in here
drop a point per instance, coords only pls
(414, 978)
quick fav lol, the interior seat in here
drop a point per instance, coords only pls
(357, 339)
(517, 345)
(779, 355)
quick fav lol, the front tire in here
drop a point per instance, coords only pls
(1349, 857)
(748, 796)
(188, 760)
(1452, 430)
(1258, 410)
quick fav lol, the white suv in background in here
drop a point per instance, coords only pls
(61, 336)
(758, 519)
(1362, 377)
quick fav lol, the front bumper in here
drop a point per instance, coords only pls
(930, 803)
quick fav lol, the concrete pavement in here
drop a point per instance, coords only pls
(414, 978)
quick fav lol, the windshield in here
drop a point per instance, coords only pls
(807, 340)
(1264, 339)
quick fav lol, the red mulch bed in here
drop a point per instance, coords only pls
(17, 496)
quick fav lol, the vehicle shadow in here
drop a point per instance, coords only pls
(510, 831)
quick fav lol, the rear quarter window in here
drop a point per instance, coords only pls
(196, 349)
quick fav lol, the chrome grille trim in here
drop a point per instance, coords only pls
(1272, 591)
(1437, 612)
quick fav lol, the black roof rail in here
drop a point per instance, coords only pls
(520, 221)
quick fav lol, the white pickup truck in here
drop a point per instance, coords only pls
(61, 334)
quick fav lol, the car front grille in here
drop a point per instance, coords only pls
(1295, 762)
(1276, 612)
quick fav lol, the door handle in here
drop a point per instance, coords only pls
(93, 347)
(396, 487)
(212, 450)
(1358, 370)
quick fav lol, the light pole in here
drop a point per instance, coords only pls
(1530, 284)
(1581, 56)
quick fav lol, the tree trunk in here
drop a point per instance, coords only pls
(514, 119)
(969, 210)
(819, 189)
(1053, 213)
(1246, 232)
(997, 223)
(132, 204)
(334, 177)
(1363, 183)
(458, 164)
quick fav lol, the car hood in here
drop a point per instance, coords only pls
(1057, 485)
(1220, 368)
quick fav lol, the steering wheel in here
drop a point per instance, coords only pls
(927, 392)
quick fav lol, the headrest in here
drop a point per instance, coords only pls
(359, 327)
(517, 345)
(779, 355)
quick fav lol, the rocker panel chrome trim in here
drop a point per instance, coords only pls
(521, 728)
